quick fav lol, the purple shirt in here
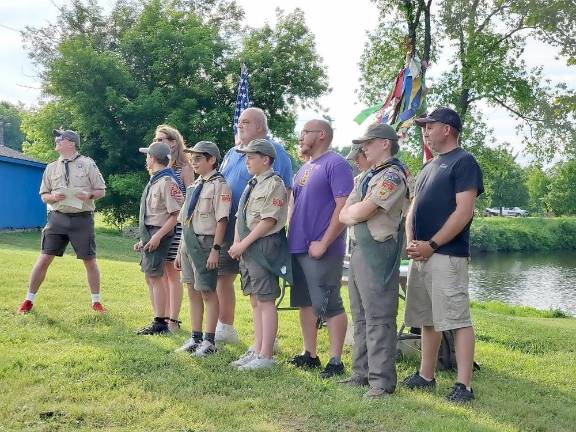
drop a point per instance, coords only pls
(316, 185)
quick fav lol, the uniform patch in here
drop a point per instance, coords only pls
(226, 197)
(277, 202)
(175, 192)
(79, 165)
(392, 176)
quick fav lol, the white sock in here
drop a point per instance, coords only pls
(95, 298)
(30, 296)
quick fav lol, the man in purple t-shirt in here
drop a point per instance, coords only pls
(316, 240)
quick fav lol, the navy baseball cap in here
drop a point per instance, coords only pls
(442, 115)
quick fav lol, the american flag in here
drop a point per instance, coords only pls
(242, 99)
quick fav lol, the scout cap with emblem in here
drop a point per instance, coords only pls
(159, 150)
(354, 150)
(68, 134)
(377, 130)
(205, 147)
(259, 145)
(442, 115)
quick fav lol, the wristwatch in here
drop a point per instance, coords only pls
(433, 244)
(216, 247)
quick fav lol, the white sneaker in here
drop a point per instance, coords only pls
(247, 357)
(258, 363)
(206, 348)
(189, 346)
(275, 348)
(226, 333)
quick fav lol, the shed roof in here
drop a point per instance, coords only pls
(15, 154)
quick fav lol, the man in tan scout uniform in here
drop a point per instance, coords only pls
(159, 206)
(260, 244)
(70, 185)
(204, 218)
(374, 212)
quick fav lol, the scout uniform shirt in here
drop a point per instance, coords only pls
(213, 204)
(82, 175)
(268, 199)
(162, 201)
(388, 190)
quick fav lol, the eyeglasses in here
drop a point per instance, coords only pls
(198, 158)
(305, 132)
(60, 138)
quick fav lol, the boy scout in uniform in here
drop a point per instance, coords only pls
(204, 217)
(260, 244)
(159, 207)
(374, 211)
(69, 222)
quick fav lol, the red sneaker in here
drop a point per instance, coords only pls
(25, 307)
(97, 307)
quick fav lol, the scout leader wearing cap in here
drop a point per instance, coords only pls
(77, 178)
(374, 211)
(204, 217)
(260, 244)
(159, 207)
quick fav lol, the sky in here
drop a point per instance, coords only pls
(338, 42)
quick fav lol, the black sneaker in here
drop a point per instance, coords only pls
(306, 361)
(417, 382)
(460, 394)
(155, 327)
(332, 370)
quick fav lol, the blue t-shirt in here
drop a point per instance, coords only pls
(435, 197)
(234, 170)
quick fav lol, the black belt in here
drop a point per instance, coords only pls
(79, 214)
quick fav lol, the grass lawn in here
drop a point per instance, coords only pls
(64, 368)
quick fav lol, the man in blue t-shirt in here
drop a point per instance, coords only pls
(438, 242)
(252, 125)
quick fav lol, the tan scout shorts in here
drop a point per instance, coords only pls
(438, 293)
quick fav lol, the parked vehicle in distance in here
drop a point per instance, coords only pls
(506, 211)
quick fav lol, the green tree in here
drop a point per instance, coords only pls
(561, 197)
(161, 61)
(483, 41)
(11, 118)
(537, 183)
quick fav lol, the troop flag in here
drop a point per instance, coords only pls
(242, 98)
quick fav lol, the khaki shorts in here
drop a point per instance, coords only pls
(207, 280)
(256, 280)
(227, 265)
(438, 293)
(64, 228)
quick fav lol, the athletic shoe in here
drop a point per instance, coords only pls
(154, 328)
(206, 348)
(332, 370)
(306, 361)
(226, 333)
(97, 307)
(376, 393)
(417, 382)
(189, 346)
(258, 363)
(354, 381)
(460, 394)
(247, 357)
(174, 325)
(25, 307)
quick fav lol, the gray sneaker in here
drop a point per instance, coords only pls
(258, 363)
(189, 346)
(247, 357)
(206, 348)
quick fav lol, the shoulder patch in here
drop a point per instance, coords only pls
(392, 176)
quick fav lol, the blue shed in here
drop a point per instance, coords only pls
(20, 203)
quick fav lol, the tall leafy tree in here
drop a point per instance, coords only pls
(537, 182)
(561, 197)
(160, 61)
(11, 118)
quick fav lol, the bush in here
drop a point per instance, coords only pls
(122, 202)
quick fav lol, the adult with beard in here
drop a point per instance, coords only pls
(317, 241)
(252, 125)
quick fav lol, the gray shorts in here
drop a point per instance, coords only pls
(227, 264)
(204, 281)
(152, 263)
(256, 280)
(317, 284)
(64, 228)
(438, 293)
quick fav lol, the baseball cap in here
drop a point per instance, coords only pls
(159, 150)
(205, 147)
(68, 134)
(442, 115)
(259, 145)
(354, 150)
(377, 130)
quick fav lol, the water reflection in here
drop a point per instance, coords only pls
(541, 280)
